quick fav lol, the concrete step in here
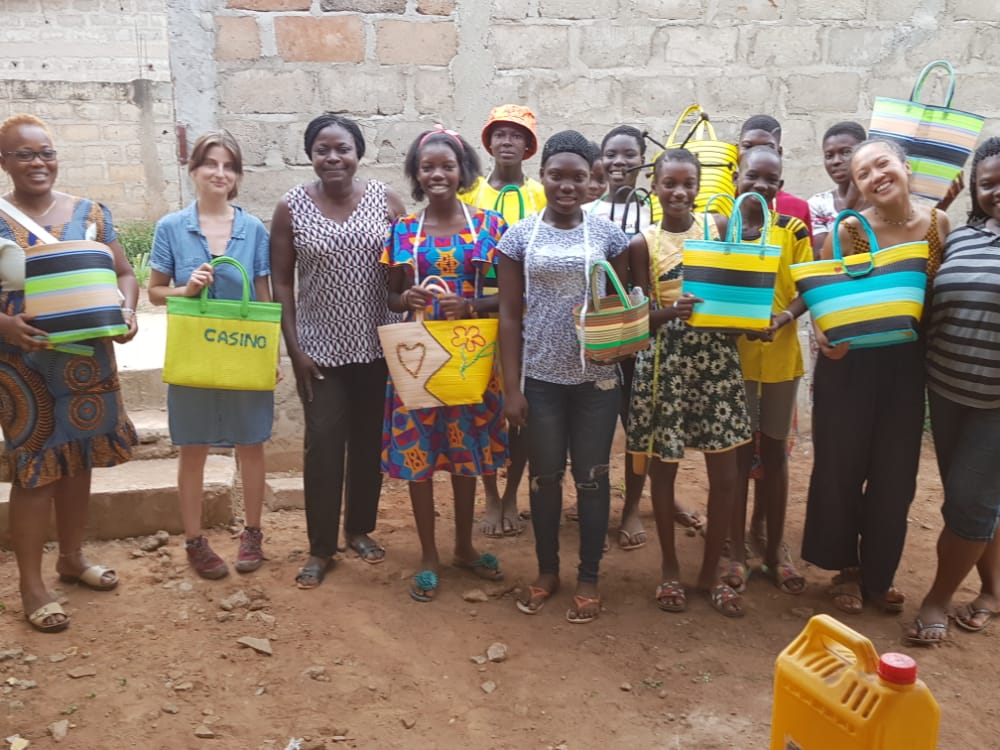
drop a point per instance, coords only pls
(140, 497)
(153, 429)
(284, 492)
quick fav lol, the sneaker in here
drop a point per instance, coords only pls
(250, 556)
(205, 562)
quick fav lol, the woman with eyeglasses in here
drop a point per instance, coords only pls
(62, 412)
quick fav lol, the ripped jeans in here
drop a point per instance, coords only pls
(581, 418)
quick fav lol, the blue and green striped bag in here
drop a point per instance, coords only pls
(734, 278)
(937, 139)
(870, 299)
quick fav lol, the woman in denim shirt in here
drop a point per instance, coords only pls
(183, 246)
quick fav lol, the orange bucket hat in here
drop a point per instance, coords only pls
(513, 114)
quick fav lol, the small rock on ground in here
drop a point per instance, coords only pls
(203, 732)
(260, 645)
(497, 652)
(476, 595)
(59, 730)
(488, 687)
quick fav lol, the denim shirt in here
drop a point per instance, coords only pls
(179, 247)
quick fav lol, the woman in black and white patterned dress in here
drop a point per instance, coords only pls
(330, 233)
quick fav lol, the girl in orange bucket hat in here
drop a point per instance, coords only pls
(510, 137)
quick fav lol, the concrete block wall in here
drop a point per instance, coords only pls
(98, 72)
(401, 65)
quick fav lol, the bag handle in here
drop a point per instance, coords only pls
(707, 213)
(436, 285)
(502, 197)
(637, 196)
(872, 242)
(245, 299)
(734, 233)
(694, 108)
(27, 222)
(922, 79)
(610, 275)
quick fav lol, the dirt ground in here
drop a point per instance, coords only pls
(357, 664)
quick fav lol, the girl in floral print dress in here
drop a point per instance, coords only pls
(456, 242)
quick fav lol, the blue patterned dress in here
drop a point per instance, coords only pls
(61, 414)
(463, 440)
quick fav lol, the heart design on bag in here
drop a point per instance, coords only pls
(411, 357)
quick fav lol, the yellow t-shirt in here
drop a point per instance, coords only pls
(484, 195)
(779, 360)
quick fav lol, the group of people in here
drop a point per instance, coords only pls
(344, 257)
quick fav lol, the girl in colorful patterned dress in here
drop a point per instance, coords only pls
(456, 242)
(688, 388)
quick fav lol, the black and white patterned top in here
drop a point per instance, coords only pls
(342, 287)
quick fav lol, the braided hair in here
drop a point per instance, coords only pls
(681, 155)
(568, 141)
(987, 149)
(328, 119)
(629, 131)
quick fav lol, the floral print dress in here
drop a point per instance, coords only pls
(466, 440)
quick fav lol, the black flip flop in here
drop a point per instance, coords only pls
(311, 575)
(368, 550)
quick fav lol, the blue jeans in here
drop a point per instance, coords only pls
(581, 418)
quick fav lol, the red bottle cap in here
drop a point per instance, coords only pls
(898, 669)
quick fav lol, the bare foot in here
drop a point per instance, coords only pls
(511, 522)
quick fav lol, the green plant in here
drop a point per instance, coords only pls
(136, 239)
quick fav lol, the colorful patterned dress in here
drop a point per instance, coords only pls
(462, 440)
(61, 414)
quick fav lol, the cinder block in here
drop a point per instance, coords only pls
(269, 5)
(863, 47)
(530, 46)
(974, 10)
(350, 89)
(842, 10)
(435, 7)
(308, 39)
(574, 9)
(812, 94)
(614, 46)
(700, 46)
(953, 42)
(748, 10)
(433, 91)
(672, 10)
(407, 42)
(773, 48)
(259, 91)
(512, 10)
(236, 38)
(284, 492)
(365, 6)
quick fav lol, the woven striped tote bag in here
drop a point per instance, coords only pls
(870, 299)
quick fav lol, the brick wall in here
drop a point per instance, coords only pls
(98, 72)
(401, 65)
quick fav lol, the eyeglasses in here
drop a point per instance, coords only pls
(26, 155)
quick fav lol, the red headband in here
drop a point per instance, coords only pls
(439, 129)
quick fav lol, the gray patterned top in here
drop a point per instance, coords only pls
(556, 280)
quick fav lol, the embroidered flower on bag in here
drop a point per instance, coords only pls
(468, 337)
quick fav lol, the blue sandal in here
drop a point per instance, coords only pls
(486, 566)
(424, 583)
